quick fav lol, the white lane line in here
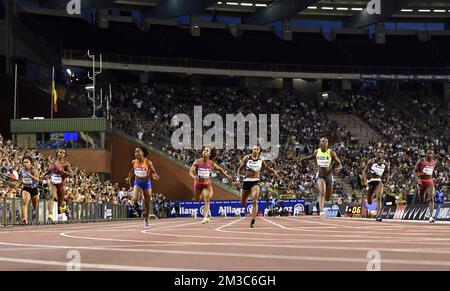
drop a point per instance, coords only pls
(274, 223)
(245, 255)
(226, 225)
(231, 244)
(89, 265)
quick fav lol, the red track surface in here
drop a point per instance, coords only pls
(280, 243)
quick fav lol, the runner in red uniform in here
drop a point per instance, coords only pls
(423, 171)
(201, 171)
(59, 170)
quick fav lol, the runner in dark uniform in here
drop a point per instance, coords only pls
(375, 168)
(29, 179)
(253, 165)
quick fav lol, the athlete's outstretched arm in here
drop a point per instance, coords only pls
(192, 172)
(130, 175)
(152, 170)
(416, 170)
(35, 175)
(366, 170)
(338, 161)
(309, 158)
(222, 171)
(388, 168)
(69, 171)
(269, 169)
(241, 167)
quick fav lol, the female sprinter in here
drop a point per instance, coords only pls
(201, 171)
(59, 169)
(142, 170)
(324, 157)
(253, 166)
(375, 168)
(29, 179)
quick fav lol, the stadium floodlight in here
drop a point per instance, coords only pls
(439, 10)
(312, 7)
(342, 8)
(326, 8)
(69, 72)
(407, 10)
(232, 3)
(357, 9)
(246, 4)
(219, 3)
(424, 10)
(90, 87)
(260, 5)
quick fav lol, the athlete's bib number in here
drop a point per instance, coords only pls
(204, 173)
(378, 171)
(140, 173)
(27, 181)
(428, 171)
(56, 179)
(323, 162)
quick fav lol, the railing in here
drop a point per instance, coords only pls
(267, 67)
(11, 212)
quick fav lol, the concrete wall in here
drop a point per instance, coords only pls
(91, 160)
(175, 181)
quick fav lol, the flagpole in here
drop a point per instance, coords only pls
(52, 90)
(15, 92)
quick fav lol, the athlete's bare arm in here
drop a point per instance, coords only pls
(269, 169)
(241, 167)
(152, 170)
(366, 170)
(130, 175)
(69, 171)
(338, 161)
(192, 172)
(309, 158)
(222, 171)
(416, 170)
(388, 173)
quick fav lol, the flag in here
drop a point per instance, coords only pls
(55, 97)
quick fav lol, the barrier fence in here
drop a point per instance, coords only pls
(11, 212)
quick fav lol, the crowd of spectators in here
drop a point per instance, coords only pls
(84, 187)
(145, 112)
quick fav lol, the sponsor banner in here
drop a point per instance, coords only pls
(442, 213)
(388, 212)
(234, 208)
(404, 77)
(331, 210)
(415, 212)
(399, 212)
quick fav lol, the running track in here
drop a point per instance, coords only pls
(276, 244)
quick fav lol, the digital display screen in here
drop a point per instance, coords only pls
(71, 136)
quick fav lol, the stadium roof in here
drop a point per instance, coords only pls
(353, 12)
